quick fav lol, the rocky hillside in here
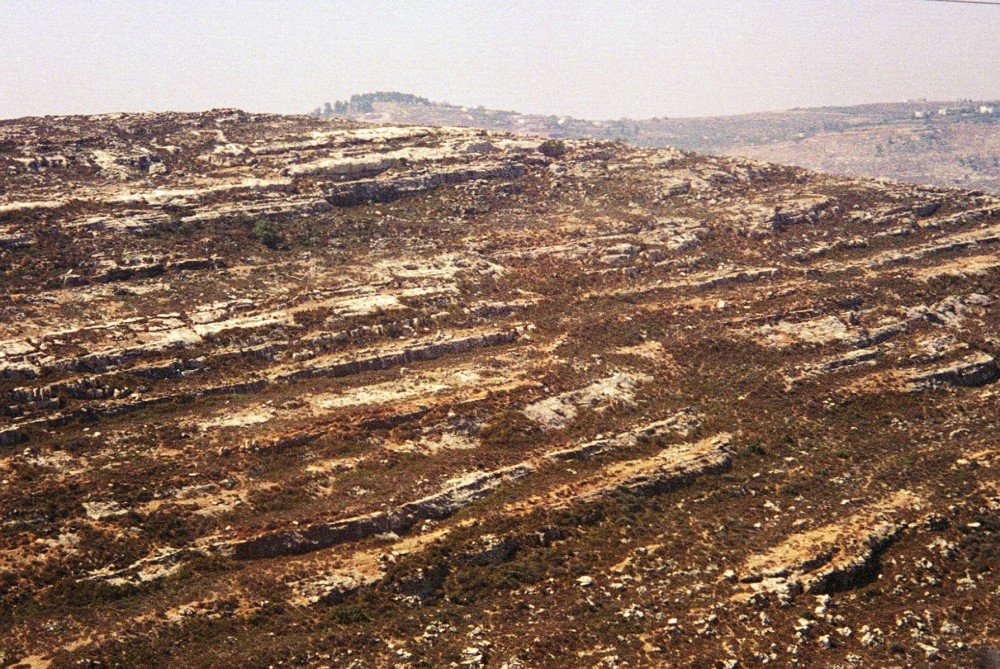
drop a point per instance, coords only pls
(285, 391)
(947, 144)
(959, 151)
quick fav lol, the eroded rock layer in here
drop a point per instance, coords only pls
(287, 390)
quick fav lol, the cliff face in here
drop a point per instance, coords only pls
(283, 389)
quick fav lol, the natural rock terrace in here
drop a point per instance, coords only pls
(279, 389)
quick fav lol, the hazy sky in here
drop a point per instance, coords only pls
(580, 57)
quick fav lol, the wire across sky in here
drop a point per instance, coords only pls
(968, 2)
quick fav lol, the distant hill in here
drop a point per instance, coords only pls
(941, 143)
(365, 104)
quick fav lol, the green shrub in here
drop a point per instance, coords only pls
(508, 430)
(267, 233)
(791, 489)
(553, 148)
(351, 614)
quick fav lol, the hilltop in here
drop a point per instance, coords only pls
(941, 143)
(289, 391)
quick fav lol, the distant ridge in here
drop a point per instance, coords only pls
(953, 143)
